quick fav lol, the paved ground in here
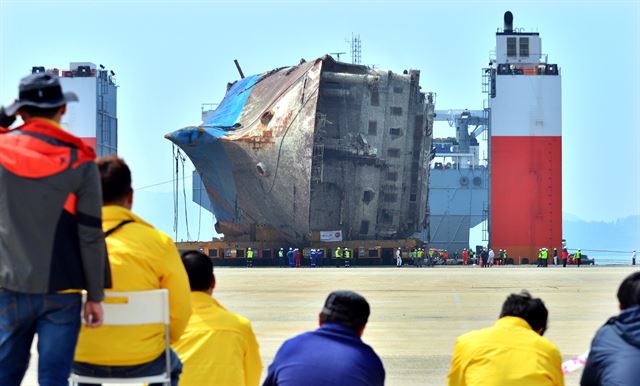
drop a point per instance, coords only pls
(418, 313)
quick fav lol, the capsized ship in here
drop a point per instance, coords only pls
(320, 146)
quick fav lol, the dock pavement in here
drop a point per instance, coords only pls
(417, 313)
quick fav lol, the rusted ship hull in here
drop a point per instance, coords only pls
(288, 148)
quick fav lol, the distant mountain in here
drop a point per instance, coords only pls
(570, 217)
(620, 235)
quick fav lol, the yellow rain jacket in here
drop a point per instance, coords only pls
(218, 347)
(509, 353)
(141, 258)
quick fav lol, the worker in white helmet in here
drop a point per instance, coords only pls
(249, 258)
(398, 258)
(290, 257)
(281, 257)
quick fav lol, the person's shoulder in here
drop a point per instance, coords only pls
(148, 235)
(302, 338)
(474, 335)
(607, 328)
(152, 234)
(240, 322)
(373, 355)
(164, 238)
(297, 343)
(546, 346)
(606, 336)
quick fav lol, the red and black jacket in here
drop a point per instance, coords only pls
(51, 235)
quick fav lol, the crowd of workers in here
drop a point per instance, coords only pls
(489, 258)
(66, 225)
(419, 257)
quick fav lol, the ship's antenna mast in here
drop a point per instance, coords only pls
(239, 69)
(356, 49)
(337, 54)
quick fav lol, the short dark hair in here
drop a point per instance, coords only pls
(524, 306)
(41, 112)
(629, 291)
(199, 269)
(347, 308)
(116, 178)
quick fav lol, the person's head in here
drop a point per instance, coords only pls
(629, 291)
(116, 181)
(346, 308)
(199, 270)
(40, 96)
(531, 309)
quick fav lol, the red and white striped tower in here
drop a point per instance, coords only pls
(525, 146)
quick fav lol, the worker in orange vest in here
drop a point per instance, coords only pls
(465, 256)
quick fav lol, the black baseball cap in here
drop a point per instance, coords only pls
(40, 90)
(346, 307)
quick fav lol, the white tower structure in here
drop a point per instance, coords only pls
(525, 145)
(94, 117)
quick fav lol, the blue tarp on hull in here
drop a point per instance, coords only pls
(208, 155)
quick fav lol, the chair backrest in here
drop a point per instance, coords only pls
(136, 307)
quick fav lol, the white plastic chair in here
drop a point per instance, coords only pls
(135, 308)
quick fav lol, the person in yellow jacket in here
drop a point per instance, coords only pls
(218, 347)
(511, 352)
(249, 258)
(141, 258)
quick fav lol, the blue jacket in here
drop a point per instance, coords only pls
(614, 359)
(331, 355)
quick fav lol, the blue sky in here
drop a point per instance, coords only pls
(171, 56)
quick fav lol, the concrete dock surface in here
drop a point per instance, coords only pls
(417, 313)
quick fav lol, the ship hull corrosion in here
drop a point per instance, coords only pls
(293, 148)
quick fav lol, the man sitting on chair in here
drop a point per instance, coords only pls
(141, 258)
(218, 347)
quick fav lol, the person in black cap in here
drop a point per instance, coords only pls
(39, 95)
(51, 240)
(334, 354)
